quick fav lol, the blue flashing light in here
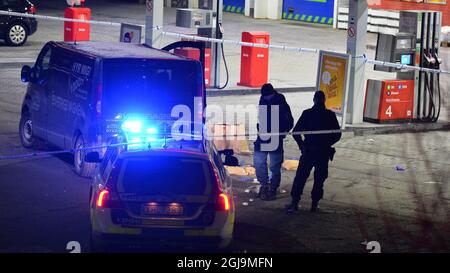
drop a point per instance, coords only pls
(133, 126)
(140, 132)
(152, 131)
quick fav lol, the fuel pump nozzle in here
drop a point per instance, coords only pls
(438, 60)
(430, 61)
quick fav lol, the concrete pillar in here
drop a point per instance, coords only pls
(154, 10)
(356, 46)
(274, 9)
(249, 8)
(261, 9)
(264, 9)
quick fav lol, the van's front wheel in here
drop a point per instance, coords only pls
(82, 168)
(27, 137)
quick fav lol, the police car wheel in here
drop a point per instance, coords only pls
(26, 131)
(16, 34)
(82, 168)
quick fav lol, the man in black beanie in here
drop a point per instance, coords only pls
(271, 103)
(316, 150)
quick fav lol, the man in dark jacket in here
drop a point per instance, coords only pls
(275, 117)
(316, 150)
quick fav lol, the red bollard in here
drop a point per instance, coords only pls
(254, 60)
(76, 31)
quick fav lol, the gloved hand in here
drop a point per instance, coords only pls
(332, 152)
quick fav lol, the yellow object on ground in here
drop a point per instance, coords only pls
(290, 165)
(250, 170)
(241, 171)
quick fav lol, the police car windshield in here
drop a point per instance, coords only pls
(164, 175)
(149, 86)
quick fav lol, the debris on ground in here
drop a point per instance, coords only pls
(241, 171)
(253, 191)
(246, 179)
(290, 165)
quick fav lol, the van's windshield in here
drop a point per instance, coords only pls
(149, 86)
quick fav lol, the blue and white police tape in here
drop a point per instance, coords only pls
(224, 41)
(226, 136)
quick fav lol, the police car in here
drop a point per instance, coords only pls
(160, 192)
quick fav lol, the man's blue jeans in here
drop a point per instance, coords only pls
(260, 163)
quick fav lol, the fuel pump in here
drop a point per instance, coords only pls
(208, 22)
(429, 92)
(413, 95)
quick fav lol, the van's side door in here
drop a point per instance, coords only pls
(38, 90)
(59, 105)
(80, 94)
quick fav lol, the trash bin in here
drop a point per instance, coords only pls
(254, 60)
(76, 31)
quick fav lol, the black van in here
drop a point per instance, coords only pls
(78, 93)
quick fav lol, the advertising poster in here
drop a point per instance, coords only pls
(332, 79)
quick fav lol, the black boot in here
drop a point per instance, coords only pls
(272, 194)
(291, 207)
(314, 206)
(263, 192)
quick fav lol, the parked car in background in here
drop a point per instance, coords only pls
(14, 29)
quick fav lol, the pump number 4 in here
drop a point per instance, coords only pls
(389, 111)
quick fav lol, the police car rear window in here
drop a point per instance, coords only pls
(164, 176)
(151, 86)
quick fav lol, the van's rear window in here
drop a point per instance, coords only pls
(165, 176)
(149, 86)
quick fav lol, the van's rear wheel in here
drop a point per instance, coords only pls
(27, 137)
(82, 168)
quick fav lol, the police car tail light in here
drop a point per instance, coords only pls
(108, 199)
(102, 198)
(224, 202)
